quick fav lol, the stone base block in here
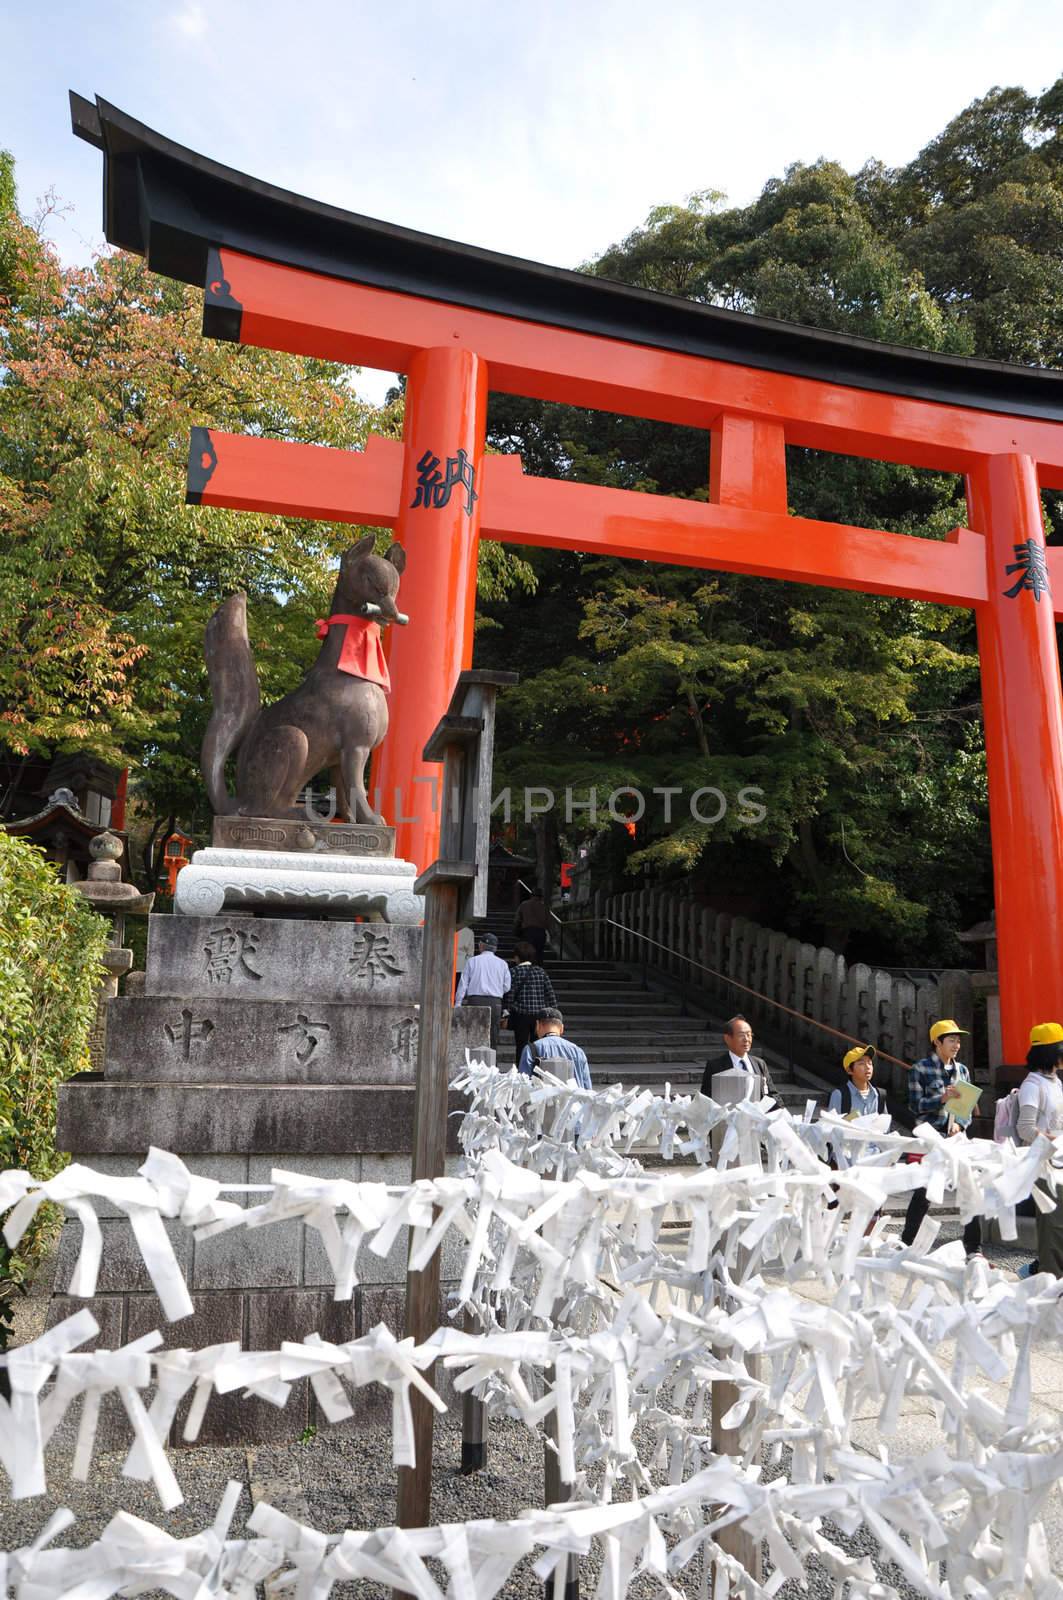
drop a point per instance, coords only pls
(355, 886)
(266, 1041)
(126, 1117)
(258, 1287)
(274, 958)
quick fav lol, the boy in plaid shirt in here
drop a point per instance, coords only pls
(530, 991)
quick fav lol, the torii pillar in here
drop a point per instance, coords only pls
(1022, 704)
(438, 523)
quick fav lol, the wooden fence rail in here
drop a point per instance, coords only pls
(675, 936)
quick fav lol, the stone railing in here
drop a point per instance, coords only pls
(724, 956)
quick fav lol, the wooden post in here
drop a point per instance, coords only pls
(429, 1159)
(473, 1416)
(727, 1089)
(553, 1492)
(455, 892)
(735, 1541)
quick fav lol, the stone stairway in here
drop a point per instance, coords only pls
(631, 1034)
(500, 923)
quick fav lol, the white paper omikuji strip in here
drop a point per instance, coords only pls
(963, 1515)
(776, 1155)
(560, 1251)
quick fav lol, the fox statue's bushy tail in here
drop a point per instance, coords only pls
(235, 693)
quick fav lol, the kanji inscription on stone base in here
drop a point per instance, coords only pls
(306, 961)
(404, 1040)
(374, 958)
(228, 950)
(189, 1032)
(232, 1039)
(308, 1035)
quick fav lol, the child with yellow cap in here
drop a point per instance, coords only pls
(1041, 1111)
(932, 1083)
(859, 1098)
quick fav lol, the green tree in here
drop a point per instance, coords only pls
(986, 223)
(51, 942)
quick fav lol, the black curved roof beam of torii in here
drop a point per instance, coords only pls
(171, 205)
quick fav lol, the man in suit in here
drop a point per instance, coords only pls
(738, 1037)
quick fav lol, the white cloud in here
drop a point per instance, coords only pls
(190, 21)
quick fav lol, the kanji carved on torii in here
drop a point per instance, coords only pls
(287, 273)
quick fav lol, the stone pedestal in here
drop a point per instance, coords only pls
(285, 833)
(258, 1042)
(273, 879)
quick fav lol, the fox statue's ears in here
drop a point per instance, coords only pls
(364, 547)
(357, 551)
(396, 555)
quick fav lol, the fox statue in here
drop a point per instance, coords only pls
(335, 718)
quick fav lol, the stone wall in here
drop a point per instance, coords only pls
(256, 1287)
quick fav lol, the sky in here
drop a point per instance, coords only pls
(546, 130)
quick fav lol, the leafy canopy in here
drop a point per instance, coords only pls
(858, 716)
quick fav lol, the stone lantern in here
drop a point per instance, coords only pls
(104, 889)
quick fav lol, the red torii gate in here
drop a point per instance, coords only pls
(286, 273)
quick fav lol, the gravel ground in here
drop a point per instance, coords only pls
(344, 1480)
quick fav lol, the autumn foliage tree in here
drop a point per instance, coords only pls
(107, 577)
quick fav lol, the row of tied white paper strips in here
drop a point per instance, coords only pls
(778, 1168)
(924, 1498)
(502, 1197)
(599, 1386)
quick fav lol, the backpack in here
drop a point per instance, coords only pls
(1006, 1118)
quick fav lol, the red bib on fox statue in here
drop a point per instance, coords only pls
(362, 654)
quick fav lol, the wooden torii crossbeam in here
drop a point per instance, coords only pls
(286, 273)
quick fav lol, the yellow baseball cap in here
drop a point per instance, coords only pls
(851, 1057)
(1046, 1033)
(947, 1025)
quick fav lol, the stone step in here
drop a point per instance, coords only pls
(635, 1056)
(589, 993)
(602, 997)
(623, 1008)
(565, 971)
(589, 963)
(652, 1048)
(635, 1042)
(631, 1019)
(669, 1021)
(253, 1118)
(681, 1076)
(589, 980)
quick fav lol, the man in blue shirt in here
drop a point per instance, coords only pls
(484, 980)
(549, 1044)
(932, 1083)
